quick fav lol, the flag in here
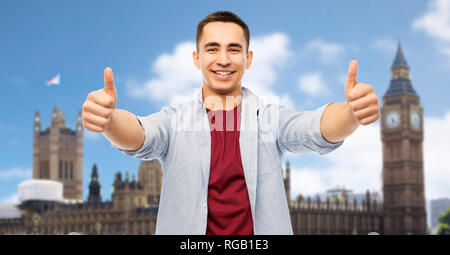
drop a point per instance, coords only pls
(54, 80)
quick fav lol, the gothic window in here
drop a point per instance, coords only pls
(60, 169)
(131, 231)
(391, 152)
(147, 226)
(65, 169)
(395, 152)
(139, 228)
(71, 170)
(40, 169)
(120, 203)
(43, 172)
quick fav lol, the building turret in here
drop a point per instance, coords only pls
(128, 194)
(94, 196)
(58, 154)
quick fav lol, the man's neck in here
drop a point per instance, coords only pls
(215, 101)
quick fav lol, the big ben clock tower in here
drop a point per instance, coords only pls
(402, 138)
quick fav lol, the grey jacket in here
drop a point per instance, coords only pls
(180, 137)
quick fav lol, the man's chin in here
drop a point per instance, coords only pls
(223, 89)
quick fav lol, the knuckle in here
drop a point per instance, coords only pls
(104, 122)
(377, 109)
(92, 94)
(110, 101)
(84, 118)
(373, 108)
(85, 106)
(374, 99)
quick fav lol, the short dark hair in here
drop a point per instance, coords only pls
(223, 16)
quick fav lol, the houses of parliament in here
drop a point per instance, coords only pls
(51, 203)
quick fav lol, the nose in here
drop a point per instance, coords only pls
(223, 59)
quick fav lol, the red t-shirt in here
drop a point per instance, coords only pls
(229, 210)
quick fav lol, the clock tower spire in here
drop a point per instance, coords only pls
(402, 138)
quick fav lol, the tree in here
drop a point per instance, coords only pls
(444, 226)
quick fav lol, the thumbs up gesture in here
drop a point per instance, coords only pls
(360, 97)
(99, 105)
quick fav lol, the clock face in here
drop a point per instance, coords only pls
(415, 119)
(392, 119)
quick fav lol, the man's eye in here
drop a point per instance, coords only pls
(235, 50)
(211, 50)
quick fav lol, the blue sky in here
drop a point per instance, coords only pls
(312, 45)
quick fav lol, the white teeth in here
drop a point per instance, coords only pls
(223, 73)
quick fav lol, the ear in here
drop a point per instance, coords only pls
(195, 57)
(249, 59)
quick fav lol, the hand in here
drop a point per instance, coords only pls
(360, 97)
(100, 104)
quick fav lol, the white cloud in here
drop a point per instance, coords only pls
(313, 84)
(436, 156)
(386, 44)
(436, 23)
(270, 52)
(176, 75)
(328, 52)
(357, 164)
(12, 199)
(15, 173)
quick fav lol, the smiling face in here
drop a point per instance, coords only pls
(222, 58)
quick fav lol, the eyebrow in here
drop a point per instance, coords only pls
(213, 44)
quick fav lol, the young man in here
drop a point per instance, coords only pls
(221, 153)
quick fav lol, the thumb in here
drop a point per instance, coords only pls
(109, 83)
(351, 77)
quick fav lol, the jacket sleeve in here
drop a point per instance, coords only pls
(157, 129)
(300, 132)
